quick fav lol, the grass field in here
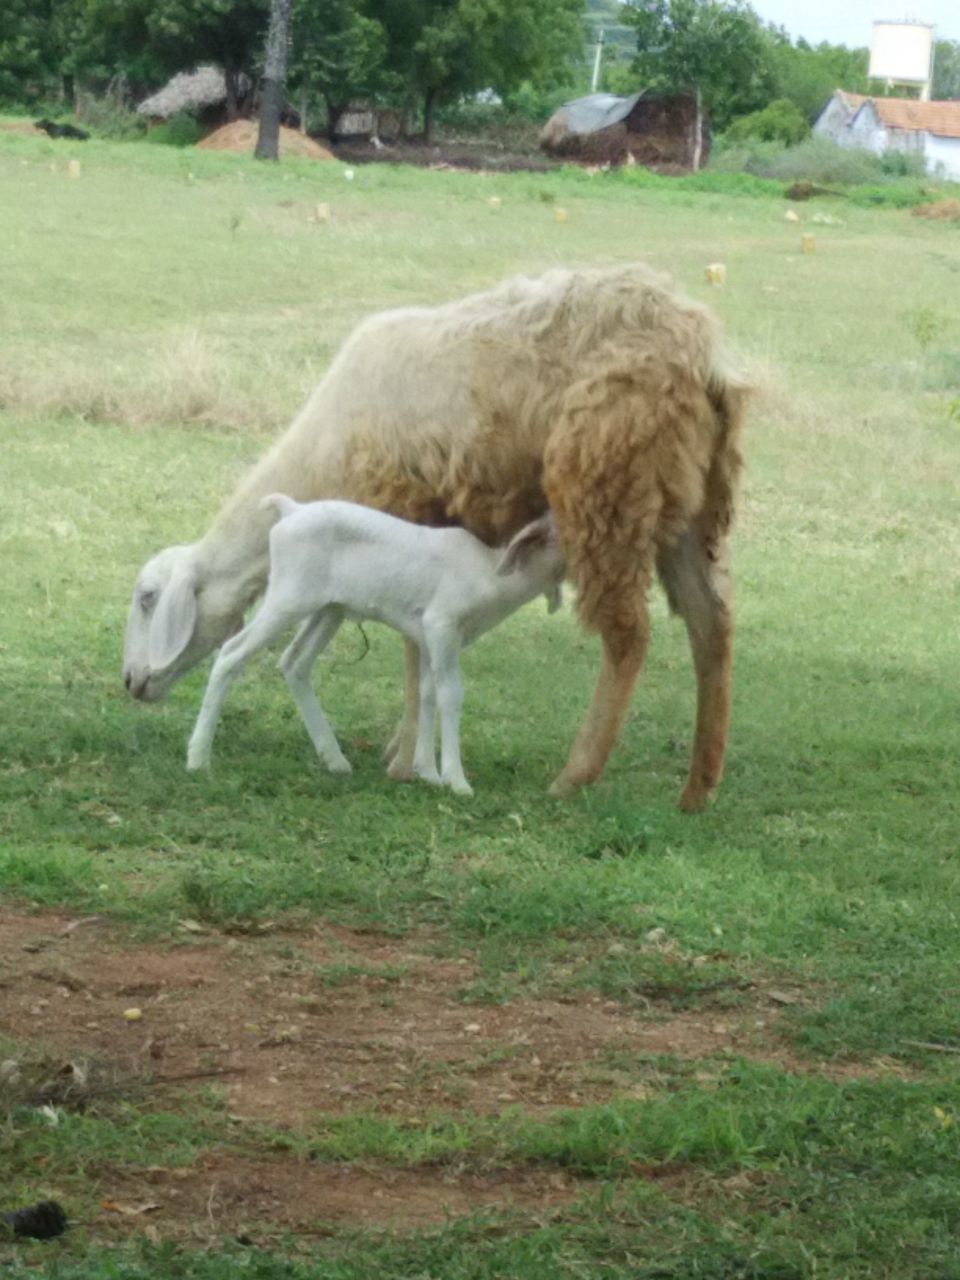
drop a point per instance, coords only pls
(385, 1031)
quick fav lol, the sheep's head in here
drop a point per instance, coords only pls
(172, 623)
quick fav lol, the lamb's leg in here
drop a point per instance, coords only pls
(400, 750)
(425, 755)
(297, 664)
(699, 588)
(232, 658)
(444, 661)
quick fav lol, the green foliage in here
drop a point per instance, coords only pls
(180, 130)
(443, 50)
(816, 160)
(108, 117)
(806, 75)
(708, 46)
(781, 121)
(339, 54)
(946, 70)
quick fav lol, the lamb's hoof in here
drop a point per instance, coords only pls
(399, 772)
(461, 788)
(342, 766)
(197, 761)
(431, 776)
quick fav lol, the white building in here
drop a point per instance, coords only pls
(930, 129)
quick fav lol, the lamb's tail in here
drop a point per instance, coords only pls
(280, 502)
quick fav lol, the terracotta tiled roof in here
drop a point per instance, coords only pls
(940, 118)
(853, 101)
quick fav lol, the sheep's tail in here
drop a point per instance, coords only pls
(280, 502)
(728, 393)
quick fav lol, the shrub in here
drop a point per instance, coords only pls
(108, 117)
(180, 130)
(780, 121)
(816, 160)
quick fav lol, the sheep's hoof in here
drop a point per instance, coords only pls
(397, 771)
(562, 786)
(342, 765)
(461, 788)
(431, 776)
(694, 798)
(198, 761)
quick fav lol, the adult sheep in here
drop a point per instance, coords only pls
(603, 392)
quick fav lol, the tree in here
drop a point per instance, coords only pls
(710, 48)
(946, 69)
(274, 79)
(445, 49)
(779, 121)
(338, 53)
(807, 75)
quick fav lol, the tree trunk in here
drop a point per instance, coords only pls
(429, 112)
(230, 81)
(698, 134)
(274, 80)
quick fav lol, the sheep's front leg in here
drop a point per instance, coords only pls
(444, 661)
(231, 660)
(297, 664)
(425, 757)
(400, 750)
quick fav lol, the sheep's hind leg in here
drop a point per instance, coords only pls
(400, 750)
(296, 664)
(698, 587)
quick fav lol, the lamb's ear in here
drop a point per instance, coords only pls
(173, 622)
(537, 535)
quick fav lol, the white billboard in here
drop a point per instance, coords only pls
(900, 51)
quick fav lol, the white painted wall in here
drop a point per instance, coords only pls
(945, 152)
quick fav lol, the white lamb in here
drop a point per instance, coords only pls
(442, 588)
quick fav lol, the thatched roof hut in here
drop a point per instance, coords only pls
(658, 131)
(198, 92)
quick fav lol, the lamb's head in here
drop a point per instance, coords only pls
(175, 619)
(536, 552)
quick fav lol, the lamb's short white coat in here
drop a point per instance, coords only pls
(442, 588)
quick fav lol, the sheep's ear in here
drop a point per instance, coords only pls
(173, 622)
(535, 536)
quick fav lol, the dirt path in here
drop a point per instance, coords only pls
(331, 1021)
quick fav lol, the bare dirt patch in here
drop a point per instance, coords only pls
(225, 1195)
(328, 1021)
(940, 210)
(334, 1020)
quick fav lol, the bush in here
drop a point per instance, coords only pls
(110, 118)
(817, 160)
(180, 130)
(780, 121)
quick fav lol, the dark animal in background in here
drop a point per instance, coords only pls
(54, 130)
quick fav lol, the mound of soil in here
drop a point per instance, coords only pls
(241, 136)
(948, 210)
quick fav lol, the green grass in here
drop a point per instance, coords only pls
(162, 314)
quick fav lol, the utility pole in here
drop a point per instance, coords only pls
(598, 54)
